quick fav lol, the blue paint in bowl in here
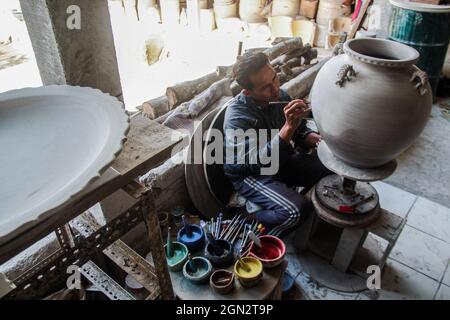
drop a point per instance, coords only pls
(195, 240)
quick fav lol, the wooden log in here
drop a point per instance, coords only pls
(300, 86)
(297, 70)
(185, 91)
(156, 107)
(282, 77)
(288, 74)
(297, 52)
(294, 62)
(283, 47)
(255, 50)
(181, 108)
(202, 101)
(224, 71)
(310, 55)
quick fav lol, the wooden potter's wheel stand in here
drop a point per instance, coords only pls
(337, 248)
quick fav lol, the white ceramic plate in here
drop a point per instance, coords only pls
(54, 140)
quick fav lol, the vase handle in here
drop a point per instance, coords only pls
(420, 79)
(346, 73)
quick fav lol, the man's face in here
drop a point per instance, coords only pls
(266, 85)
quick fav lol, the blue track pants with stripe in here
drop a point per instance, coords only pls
(282, 207)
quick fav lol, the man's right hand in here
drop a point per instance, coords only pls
(294, 112)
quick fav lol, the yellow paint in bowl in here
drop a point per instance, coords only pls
(254, 265)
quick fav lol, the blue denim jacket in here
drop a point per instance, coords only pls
(244, 113)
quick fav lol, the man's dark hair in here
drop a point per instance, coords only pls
(246, 65)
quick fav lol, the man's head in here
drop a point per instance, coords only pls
(256, 76)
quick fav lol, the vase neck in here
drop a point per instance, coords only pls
(380, 52)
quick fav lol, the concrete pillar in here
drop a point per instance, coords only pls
(65, 54)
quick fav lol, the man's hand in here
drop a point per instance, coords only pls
(312, 140)
(294, 112)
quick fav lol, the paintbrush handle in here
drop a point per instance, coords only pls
(254, 238)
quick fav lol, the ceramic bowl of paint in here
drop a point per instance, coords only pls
(192, 236)
(221, 258)
(201, 274)
(179, 257)
(222, 281)
(249, 271)
(271, 253)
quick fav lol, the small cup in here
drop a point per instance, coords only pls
(182, 254)
(195, 242)
(222, 281)
(223, 261)
(249, 278)
(198, 277)
(272, 252)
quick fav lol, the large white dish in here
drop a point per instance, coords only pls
(54, 140)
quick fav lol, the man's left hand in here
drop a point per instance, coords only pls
(312, 140)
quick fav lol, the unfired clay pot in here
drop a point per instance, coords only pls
(371, 102)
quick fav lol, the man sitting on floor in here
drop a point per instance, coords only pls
(250, 111)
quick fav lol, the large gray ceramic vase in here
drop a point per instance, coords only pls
(371, 102)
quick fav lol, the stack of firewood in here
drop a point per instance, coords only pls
(288, 56)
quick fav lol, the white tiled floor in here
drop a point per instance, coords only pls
(313, 291)
(446, 279)
(431, 218)
(422, 252)
(394, 199)
(443, 293)
(401, 282)
(419, 260)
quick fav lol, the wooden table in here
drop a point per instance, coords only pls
(268, 288)
(148, 145)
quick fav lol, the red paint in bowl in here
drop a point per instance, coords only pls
(272, 252)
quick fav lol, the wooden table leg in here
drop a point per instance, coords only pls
(157, 250)
(349, 242)
(277, 293)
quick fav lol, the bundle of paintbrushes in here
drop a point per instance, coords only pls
(234, 229)
(215, 228)
(250, 233)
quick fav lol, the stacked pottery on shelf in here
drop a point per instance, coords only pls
(282, 16)
(308, 8)
(336, 27)
(225, 9)
(250, 11)
(288, 8)
(226, 14)
(304, 29)
(327, 11)
(304, 26)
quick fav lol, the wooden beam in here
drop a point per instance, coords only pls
(360, 18)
